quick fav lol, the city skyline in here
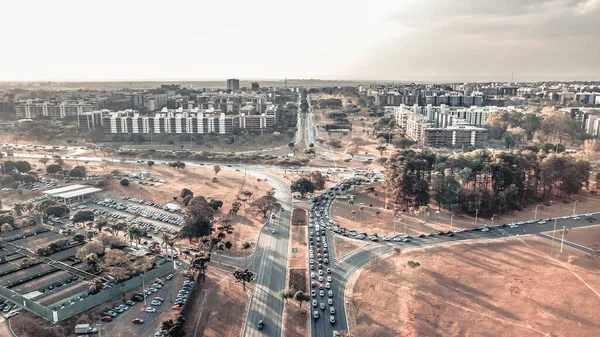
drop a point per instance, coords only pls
(384, 40)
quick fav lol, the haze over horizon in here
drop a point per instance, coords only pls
(402, 40)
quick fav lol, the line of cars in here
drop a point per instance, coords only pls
(320, 272)
(139, 211)
(9, 309)
(151, 203)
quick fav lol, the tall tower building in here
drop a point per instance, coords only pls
(233, 84)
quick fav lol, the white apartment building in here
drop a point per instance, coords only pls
(32, 109)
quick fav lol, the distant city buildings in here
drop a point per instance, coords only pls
(180, 121)
(31, 108)
(233, 84)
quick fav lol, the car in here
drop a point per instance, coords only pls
(312, 274)
(421, 235)
(176, 307)
(328, 271)
(542, 222)
(322, 306)
(169, 277)
(332, 310)
(150, 309)
(315, 314)
(327, 285)
(313, 293)
(328, 278)
(330, 301)
(106, 319)
(130, 303)
(155, 302)
(321, 286)
(320, 272)
(321, 293)
(512, 226)
(272, 231)
(314, 303)
(159, 299)
(111, 314)
(261, 325)
(576, 218)
(124, 307)
(330, 293)
(451, 234)
(137, 321)
(331, 319)
(321, 278)
(485, 229)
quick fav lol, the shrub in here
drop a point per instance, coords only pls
(124, 182)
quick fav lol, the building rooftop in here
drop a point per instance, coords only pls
(72, 191)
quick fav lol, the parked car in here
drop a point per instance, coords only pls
(137, 321)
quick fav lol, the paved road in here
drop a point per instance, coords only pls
(269, 261)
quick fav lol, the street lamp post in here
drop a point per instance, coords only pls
(476, 214)
(99, 326)
(562, 240)
(493, 216)
(405, 227)
(144, 290)
(574, 206)
(451, 218)
(535, 214)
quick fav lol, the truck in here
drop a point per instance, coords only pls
(85, 328)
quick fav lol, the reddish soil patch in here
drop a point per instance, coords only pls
(299, 217)
(496, 288)
(298, 279)
(586, 236)
(298, 242)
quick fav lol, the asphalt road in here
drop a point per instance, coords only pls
(269, 262)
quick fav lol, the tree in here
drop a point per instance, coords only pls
(79, 237)
(5, 228)
(83, 216)
(287, 293)
(124, 182)
(381, 149)
(264, 204)
(300, 297)
(53, 169)
(217, 169)
(310, 152)
(198, 219)
(150, 163)
(317, 179)
(216, 204)
(18, 209)
(78, 171)
(44, 161)
(22, 166)
(243, 276)
(235, 207)
(100, 224)
(186, 192)
(93, 247)
(200, 261)
(303, 186)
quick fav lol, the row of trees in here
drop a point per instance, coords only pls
(483, 182)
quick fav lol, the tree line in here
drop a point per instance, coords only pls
(481, 181)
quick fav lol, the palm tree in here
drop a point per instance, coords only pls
(18, 209)
(166, 238)
(101, 224)
(29, 207)
(153, 245)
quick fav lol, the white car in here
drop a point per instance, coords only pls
(541, 222)
(150, 309)
(155, 302)
(321, 293)
(513, 226)
(312, 275)
(485, 229)
(320, 272)
(328, 278)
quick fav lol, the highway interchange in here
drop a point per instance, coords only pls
(269, 261)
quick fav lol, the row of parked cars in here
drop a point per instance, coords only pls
(140, 211)
(180, 300)
(151, 203)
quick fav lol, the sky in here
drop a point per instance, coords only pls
(454, 40)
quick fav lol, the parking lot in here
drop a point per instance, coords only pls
(122, 325)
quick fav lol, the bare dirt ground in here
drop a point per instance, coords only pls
(513, 287)
(219, 308)
(344, 245)
(586, 236)
(296, 318)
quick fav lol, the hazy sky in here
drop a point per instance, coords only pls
(332, 39)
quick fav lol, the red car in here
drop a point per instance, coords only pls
(313, 284)
(137, 321)
(159, 299)
(321, 286)
(318, 244)
(176, 307)
(106, 319)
